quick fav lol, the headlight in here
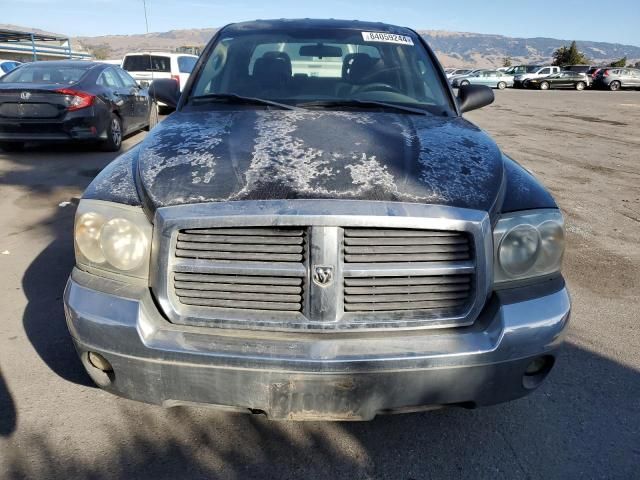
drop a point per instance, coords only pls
(527, 245)
(112, 237)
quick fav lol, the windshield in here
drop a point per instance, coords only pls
(147, 63)
(42, 73)
(532, 68)
(186, 64)
(8, 66)
(301, 66)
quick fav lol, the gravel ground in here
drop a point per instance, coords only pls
(584, 422)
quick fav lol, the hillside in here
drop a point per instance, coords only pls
(453, 48)
(458, 48)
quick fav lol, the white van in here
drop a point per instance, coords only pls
(145, 67)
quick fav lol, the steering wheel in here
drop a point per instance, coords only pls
(377, 87)
(371, 76)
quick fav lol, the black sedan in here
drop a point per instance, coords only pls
(574, 80)
(72, 101)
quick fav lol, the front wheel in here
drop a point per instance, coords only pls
(153, 116)
(502, 86)
(614, 86)
(544, 86)
(114, 135)
(580, 86)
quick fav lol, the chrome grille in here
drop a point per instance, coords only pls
(224, 248)
(251, 264)
(447, 293)
(242, 244)
(378, 245)
(251, 292)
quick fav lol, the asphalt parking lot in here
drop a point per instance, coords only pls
(584, 422)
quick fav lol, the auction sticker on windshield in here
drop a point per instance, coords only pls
(386, 38)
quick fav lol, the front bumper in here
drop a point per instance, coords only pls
(345, 376)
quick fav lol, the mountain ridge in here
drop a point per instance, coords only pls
(454, 49)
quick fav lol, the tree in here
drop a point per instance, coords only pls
(569, 56)
(619, 63)
(637, 65)
(100, 52)
(506, 62)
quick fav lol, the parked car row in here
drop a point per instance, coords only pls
(72, 100)
(545, 77)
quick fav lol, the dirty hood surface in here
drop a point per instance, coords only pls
(262, 155)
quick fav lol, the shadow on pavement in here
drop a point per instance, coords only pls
(8, 414)
(51, 174)
(572, 427)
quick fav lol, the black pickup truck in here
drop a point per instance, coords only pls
(318, 233)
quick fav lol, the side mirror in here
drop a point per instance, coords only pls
(165, 90)
(471, 97)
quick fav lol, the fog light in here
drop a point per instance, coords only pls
(537, 371)
(99, 362)
(536, 366)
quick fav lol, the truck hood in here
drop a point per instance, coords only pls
(194, 157)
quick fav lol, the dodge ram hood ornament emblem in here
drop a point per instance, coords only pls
(322, 275)
(25, 95)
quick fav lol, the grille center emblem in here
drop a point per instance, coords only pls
(25, 95)
(322, 275)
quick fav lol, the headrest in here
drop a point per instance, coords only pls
(273, 69)
(357, 66)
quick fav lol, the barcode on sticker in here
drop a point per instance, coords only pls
(386, 38)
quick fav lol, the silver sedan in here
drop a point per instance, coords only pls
(490, 78)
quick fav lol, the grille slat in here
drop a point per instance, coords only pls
(399, 249)
(404, 297)
(430, 280)
(241, 305)
(240, 249)
(444, 305)
(242, 244)
(405, 289)
(450, 293)
(222, 295)
(399, 257)
(396, 232)
(231, 287)
(244, 239)
(254, 280)
(250, 231)
(437, 240)
(386, 245)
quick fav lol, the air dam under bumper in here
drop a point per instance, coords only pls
(342, 376)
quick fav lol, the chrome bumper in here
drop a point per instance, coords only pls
(347, 376)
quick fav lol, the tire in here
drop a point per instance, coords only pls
(114, 135)
(153, 116)
(502, 85)
(12, 146)
(464, 82)
(614, 86)
(544, 86)
(580, 86)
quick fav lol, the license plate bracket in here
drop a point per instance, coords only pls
(322, 398)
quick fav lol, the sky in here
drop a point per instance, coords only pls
(565, 19)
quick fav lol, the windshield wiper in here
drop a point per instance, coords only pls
(232, 98)
(363, 104)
